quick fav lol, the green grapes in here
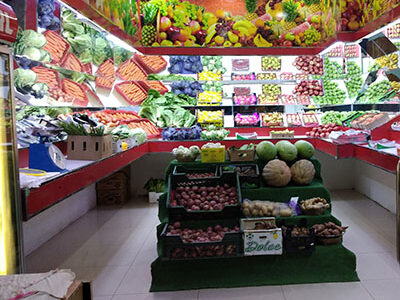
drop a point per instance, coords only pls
(375, 92)
(353, 79)
(311, 36)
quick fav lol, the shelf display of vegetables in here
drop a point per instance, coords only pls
(210, 98)
(179, 134)
(46, 17)
(214, 117)
(185, 65)
(190, 88)
(214, 133)
(183, 154)
(166, 111)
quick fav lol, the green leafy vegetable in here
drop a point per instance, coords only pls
(24, 77)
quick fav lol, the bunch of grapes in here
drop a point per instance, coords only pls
(311, 36)
(273, 2)
(224, 27)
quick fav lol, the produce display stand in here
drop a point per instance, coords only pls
(68, 183)
(290, 268)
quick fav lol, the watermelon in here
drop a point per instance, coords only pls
(266, 150)
(304, 149)
(286, 150)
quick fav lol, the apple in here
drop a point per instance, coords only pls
(173, 33)
(194, 27)
(165, 23)
(201, 36)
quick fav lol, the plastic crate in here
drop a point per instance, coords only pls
(298, 244)
(246, 181)
(173, 245)
(148, 68)
(181, 213)
(196, 169)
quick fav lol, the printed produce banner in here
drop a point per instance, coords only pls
(242, 23)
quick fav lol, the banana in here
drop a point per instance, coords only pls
(211, 28)
(250, 27)
(210, 35)
(259, 41)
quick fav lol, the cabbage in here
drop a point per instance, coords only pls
(140, 134)
(32, 53)
(31, 38)
(24, 77)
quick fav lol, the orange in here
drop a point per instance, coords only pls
(220, 14)
(259, 23)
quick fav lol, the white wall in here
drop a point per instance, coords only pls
(375, 183)
(45, 225)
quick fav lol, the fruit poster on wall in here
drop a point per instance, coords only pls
(122, 13)
(241, 23)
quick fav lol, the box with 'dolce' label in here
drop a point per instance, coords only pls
(261, 237)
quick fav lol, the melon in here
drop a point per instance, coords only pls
(276, 173)
(266, 151)
(302, 172)
(286, 150)
(304, 149)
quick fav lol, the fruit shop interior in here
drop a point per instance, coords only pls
(248, 154)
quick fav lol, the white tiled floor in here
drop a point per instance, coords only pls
(113, 247)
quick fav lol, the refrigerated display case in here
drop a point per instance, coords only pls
(10, 225)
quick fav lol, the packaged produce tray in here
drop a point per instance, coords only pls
(151, 63)
(298, 244)
(251, 180)
(245, 100)
(106, 68)
(196, 169)
(174, 248)
(151, 130)
(48, 76)
(242, 123)
(75, 90)
(57, 46)
(155, 85)
(239, 77)
(131, 70)
(131, 91)
(71, 62)
(181, 213)
(105, 82)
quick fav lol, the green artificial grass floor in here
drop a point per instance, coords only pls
(332, 263)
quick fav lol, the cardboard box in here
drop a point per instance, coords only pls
(261, 242)
(111, 197)
(79, 290)
(213, 155)
(117, 181)
(84, 147)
